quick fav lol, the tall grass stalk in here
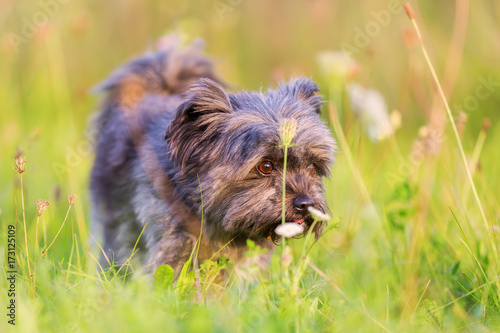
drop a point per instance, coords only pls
(102, 271)
(26, 236)
(287, 131)
(71, 202)
(41, 206)
(79, 213)
(127, 263)
(20, 167)
(34, 255)
(283, 197)
(196, 269)
(100, 248)
(307, 246)
(346, 150)
(475, 157)
(411, 15)
(70, 260)
(301, 265)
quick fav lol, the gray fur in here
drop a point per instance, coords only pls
(173, 145)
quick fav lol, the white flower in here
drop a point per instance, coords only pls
(369, 106)
(317, 214)
(289, 229)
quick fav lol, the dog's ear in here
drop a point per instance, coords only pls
(204, 97)
(304, 89)
(197, 120)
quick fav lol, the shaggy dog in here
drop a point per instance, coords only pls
(177, 153)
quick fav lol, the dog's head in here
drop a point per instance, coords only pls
(230, 157)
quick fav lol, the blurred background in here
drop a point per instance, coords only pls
(53, 52)
(364, 54)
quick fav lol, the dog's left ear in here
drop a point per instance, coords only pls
(304, 89)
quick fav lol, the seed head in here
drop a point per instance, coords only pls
(409, 10)
(317, 214)
(20, 164)
(287, 131)
(41, 206)
(71, 199)
(289, 229)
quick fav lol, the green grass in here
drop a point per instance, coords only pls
(407, 248)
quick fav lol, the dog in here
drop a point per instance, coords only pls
(177, 156)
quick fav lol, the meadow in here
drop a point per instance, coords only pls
(412, 243)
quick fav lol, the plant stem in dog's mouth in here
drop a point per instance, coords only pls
(287, 132)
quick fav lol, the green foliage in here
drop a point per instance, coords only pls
(400, 208)
(163, 278)
(254, 250)
(429, 314)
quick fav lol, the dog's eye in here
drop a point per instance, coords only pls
(311, 169)
(265, 167)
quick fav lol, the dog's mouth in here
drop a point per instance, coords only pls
(293, 228)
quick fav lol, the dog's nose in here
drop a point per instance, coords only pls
(302, 202)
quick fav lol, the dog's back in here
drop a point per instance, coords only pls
(126, 180)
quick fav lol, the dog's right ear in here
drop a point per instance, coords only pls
(205, 106)
(204, 97)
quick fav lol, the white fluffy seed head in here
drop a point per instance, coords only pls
(289, 229)
(317, 214)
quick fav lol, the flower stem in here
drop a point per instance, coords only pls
(34, 256)
(26, 236)
(283, 203)
(62, 225)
